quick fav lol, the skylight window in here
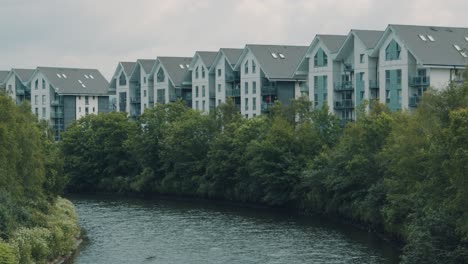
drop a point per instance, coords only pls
(82, 85)
(274, 55)
(91, 76)
(181, 66)
(466, 38)
(80, 81)
(64, 76)
(86, 76)
(457, 47)
(431, 38)
(188, 66)
(60, 76)
(464, 53)
(281, 55)
(422, 37)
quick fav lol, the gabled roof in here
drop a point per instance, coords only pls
(128, 67)
(275, 68)
(367, 37)
(175, 73)
(73, 81)
(207, 57)
(332, 42)
(232, 56)
(24, 75)
(440, 52)
(146, 64)
(3, 76)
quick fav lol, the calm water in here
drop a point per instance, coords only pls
(124, 230)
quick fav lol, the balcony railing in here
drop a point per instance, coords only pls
(266, 106)
(212, 94)
(20, 91)
(344, 86)
(232, 78)
(268, 90)
(135, 100)
(58, 126)
(56, 103)
(232, 92)
(348, 67)
(344, 104)
(56, 115)
(151, 99)
(413, 101)
(419, 81)
(373, 84)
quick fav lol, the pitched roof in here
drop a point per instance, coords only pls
(72, 81)
(232, 55)
(128, 67)
(146, 64)
(3, 75)
(176, 73)
(276, 68)
(368, 37)
(23, 74)
(207, 57)
(333, 42)
(441, 51)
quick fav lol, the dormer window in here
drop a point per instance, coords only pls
(160, 76)
(254, 66)
(320, 58)
(393, 50)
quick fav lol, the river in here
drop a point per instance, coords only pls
(123, 230)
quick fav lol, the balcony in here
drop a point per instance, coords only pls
(56, 115)
(161, 99)
(188, 96)
(212, 94)
(135, 100)
(419, 81)
(373, 84)
(344, 104)
(123, 106)
(266, 107)
(56, 103)
(348, 67)
(268, 89)
(414, 101)
(59, 127)
(151, 99)
(232, 92)
(232, 77)
(20, 92)
(344, 86)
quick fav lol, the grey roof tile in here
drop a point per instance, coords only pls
(368, 37)
(24, 74)
(232, 55)
(333, 42)
(97, 85)
(207, 57)
(174, 71)
(278, 68)
(147, 64)
(128, 67)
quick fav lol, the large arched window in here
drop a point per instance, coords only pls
(161, 76)
(393, 50)
(320, 58)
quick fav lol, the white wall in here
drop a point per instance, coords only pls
(200, 82)
(250, 78)
(220, 80)
(161, 85)
(43, 96)
(145, 89)
(440, 78)
(81, 106)
(123, 88)
(322, 71)
(11, 83)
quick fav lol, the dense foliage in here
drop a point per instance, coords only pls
(400, 173)
(35, 226)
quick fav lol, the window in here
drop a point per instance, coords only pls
(254, 87)
(422, 37)
(122, 79)
(10, 89)
(456, 47)
(246, 67)
(36, 84)
(466, 38)
(361, 58)
(181, 66)
(203, 92)
(219, 88)
(387, 77)
(219, 72)
(431, 38)
(144, 79)
(59, 76)
(94, 110)
(43, 84)
(86, 76)
(43, 112)
(325, 97)
(196, 91)
(196, 73)
(393, 50)
(64, 76)
(219, 101)
(86, 100)
(246, 103)
(274, 55)
(36, 111)
(79, 109)
(161, 76)
(43, 99)
(144, 93)
(203, 72)
(246, 88)
(86, 110)
(320, 58)
(281, 55)
(196, 105)
(203, 105)
(91, 76)
(254, 67)
(254, 103)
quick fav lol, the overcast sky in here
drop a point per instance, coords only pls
(100, 33)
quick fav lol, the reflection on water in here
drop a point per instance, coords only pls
(122, 230)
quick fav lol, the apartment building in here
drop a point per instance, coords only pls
(142, 88)
(17, 84)
(120, 86)
(172, 80)
(268, 74)
(203, 81)
(413, 58)
(357, 77)
(227, 79)
(62, 95)
(3, 76)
